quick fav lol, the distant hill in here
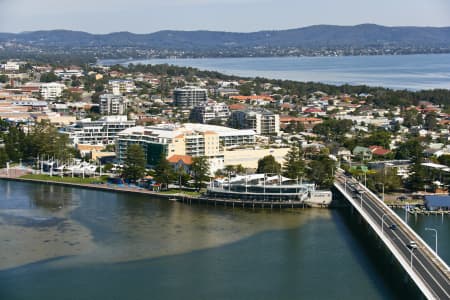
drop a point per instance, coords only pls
(312, 37)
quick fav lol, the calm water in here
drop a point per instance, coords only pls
(67, 243)
(413, 72)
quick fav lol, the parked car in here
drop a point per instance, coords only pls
(402, 198)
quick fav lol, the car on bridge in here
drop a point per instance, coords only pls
(412, 245)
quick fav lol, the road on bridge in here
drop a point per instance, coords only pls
(424, 263)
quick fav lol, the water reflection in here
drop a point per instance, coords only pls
(97, 226)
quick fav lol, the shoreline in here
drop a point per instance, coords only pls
(178, 197)
(102, 187)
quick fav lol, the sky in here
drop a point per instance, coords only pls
(146, 16)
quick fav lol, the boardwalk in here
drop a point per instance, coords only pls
(427, 270)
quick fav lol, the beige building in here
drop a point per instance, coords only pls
(248, 158)
(187, 139)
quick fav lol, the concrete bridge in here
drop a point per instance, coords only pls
(428, 271)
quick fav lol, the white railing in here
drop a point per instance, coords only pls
(401, 259)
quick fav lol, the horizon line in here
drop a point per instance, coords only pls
(223, 31)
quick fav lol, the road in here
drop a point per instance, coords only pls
(424, 263)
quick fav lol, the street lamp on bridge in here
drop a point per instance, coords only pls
(435, 239)
(382, 222)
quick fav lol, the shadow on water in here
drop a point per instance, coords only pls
(373, 254)
(278, 264)
(326, 257)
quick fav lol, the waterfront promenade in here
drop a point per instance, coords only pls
(430, 273)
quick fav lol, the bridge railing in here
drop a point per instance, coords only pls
(429, 251)
(421, 283)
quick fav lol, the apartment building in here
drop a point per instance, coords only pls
(51, 90)
(67, 73)
(111, 104)
(102, 131)
(121, 86)
(210, 110)
(263, 122)
(11, 66)
(189, 96)
(187, 139)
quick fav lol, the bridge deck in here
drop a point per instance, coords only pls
(430, 273)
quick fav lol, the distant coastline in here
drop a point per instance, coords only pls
(311, 41)
(411, 72)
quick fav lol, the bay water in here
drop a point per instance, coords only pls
(59, 242)
(412, 72)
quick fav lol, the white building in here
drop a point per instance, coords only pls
(102, 131)
(11, 66)
(68, 73)
(112, 105)
(51, 90)
(121, 86)
(207, 111)
(263, 122)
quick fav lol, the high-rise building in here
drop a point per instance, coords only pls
(112, 105)
(189, 96)
(264, 122)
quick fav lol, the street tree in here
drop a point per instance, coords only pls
(181, 176)
(268, 164)
(199, 171)
(321, 170)
(134, 164)
(164, 172)
(294, 166)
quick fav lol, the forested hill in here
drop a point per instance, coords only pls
(313, 37)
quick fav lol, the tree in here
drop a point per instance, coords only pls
(134, 164)
(181, 176)
(411, 149)
(380, 138)
(321, 171)
(49, 77)
(4, 78)
(163, 172)
(239, 169)
(294, 127)
(416, 179)
(268, 164)
(333, 129)
(411, 118)
(386, 178)
(431, 121)
(294, 166)
(199, 171)
(3, 158)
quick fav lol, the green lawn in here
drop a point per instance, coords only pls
(64, 179)
(177, 191)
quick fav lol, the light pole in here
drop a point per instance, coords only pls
(382, 222)
(382, 184)
(435, 239)
(412, 250)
